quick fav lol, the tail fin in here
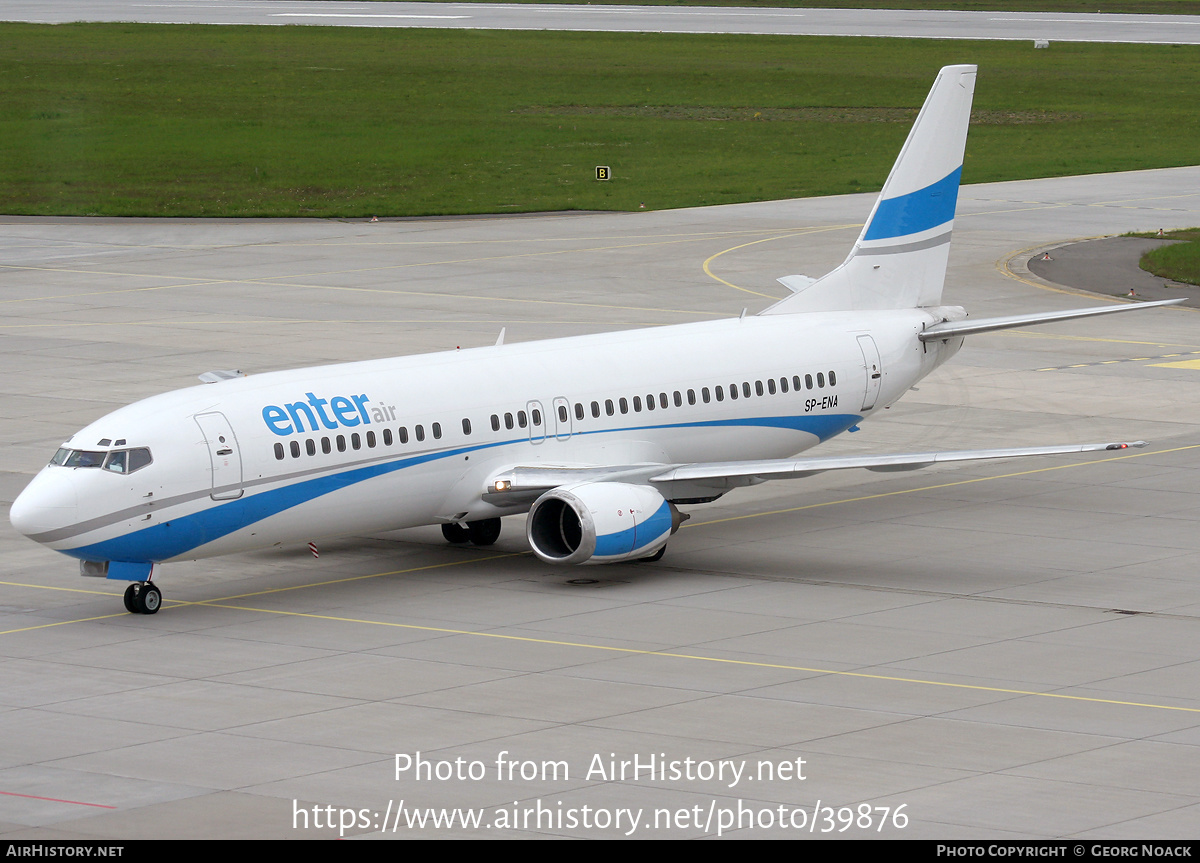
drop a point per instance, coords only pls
(899, 260)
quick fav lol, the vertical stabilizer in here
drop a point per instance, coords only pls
(899, 260)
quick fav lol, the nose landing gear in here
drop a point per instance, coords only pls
(142, 597)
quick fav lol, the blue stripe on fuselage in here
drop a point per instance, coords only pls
(177, 536)
(917, 211)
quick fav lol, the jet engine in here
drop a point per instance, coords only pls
(600, 522)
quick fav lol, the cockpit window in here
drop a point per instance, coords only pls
(118, 461)
(84, 458)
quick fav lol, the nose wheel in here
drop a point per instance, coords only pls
(142, 597)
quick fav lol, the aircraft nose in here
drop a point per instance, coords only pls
(48, 502)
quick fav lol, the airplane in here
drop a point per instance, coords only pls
(599, 438)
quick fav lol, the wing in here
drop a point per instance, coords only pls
(688, 483)
(607, 514)
(694, 481)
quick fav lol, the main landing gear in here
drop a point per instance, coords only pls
(483, 532)
(142, 597)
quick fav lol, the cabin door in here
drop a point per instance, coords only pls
(874, 370)
(224, 455)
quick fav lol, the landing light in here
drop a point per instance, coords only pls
(502, 485)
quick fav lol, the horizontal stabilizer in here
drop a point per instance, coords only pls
(966, 327)
(796, 284)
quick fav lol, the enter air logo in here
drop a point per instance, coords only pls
(331, 414)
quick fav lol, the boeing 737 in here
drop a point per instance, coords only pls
(598, 438)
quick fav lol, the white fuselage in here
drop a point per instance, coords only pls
(365, 447)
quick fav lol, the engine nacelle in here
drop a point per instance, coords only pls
(600, 522)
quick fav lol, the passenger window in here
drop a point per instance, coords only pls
(562, 414)
(771, 385)
(437, 431)
(536, 415)
(295, 447)
(387, 437)
(650, 402)
(578, 411)
(704, 395)
(419, 431)
(758, 387)
(746, 389)
(495, 423)
(608, 407)
(796, 382)
(522, 420)
(624, 405)
(637, 404)
(733, 392)
(371, 439)
(808, 382)
(820, 379)
(678, 399)
(325, 447)
(832, 379)
(783, 385)
(466, 426)
(278, 453)
(341, 443)
(355, 441)
(719, 392)
(403, 433)
(508, 421)
(662, 400)
(310, 445)
(691, 397)
(596, 410)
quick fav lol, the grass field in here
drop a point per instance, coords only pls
(269, 121)
(1178, 261)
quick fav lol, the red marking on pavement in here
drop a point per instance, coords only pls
(56, 800)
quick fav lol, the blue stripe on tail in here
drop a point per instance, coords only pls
(917, 211)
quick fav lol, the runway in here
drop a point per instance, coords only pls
(1055, 26)
(997, 650)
